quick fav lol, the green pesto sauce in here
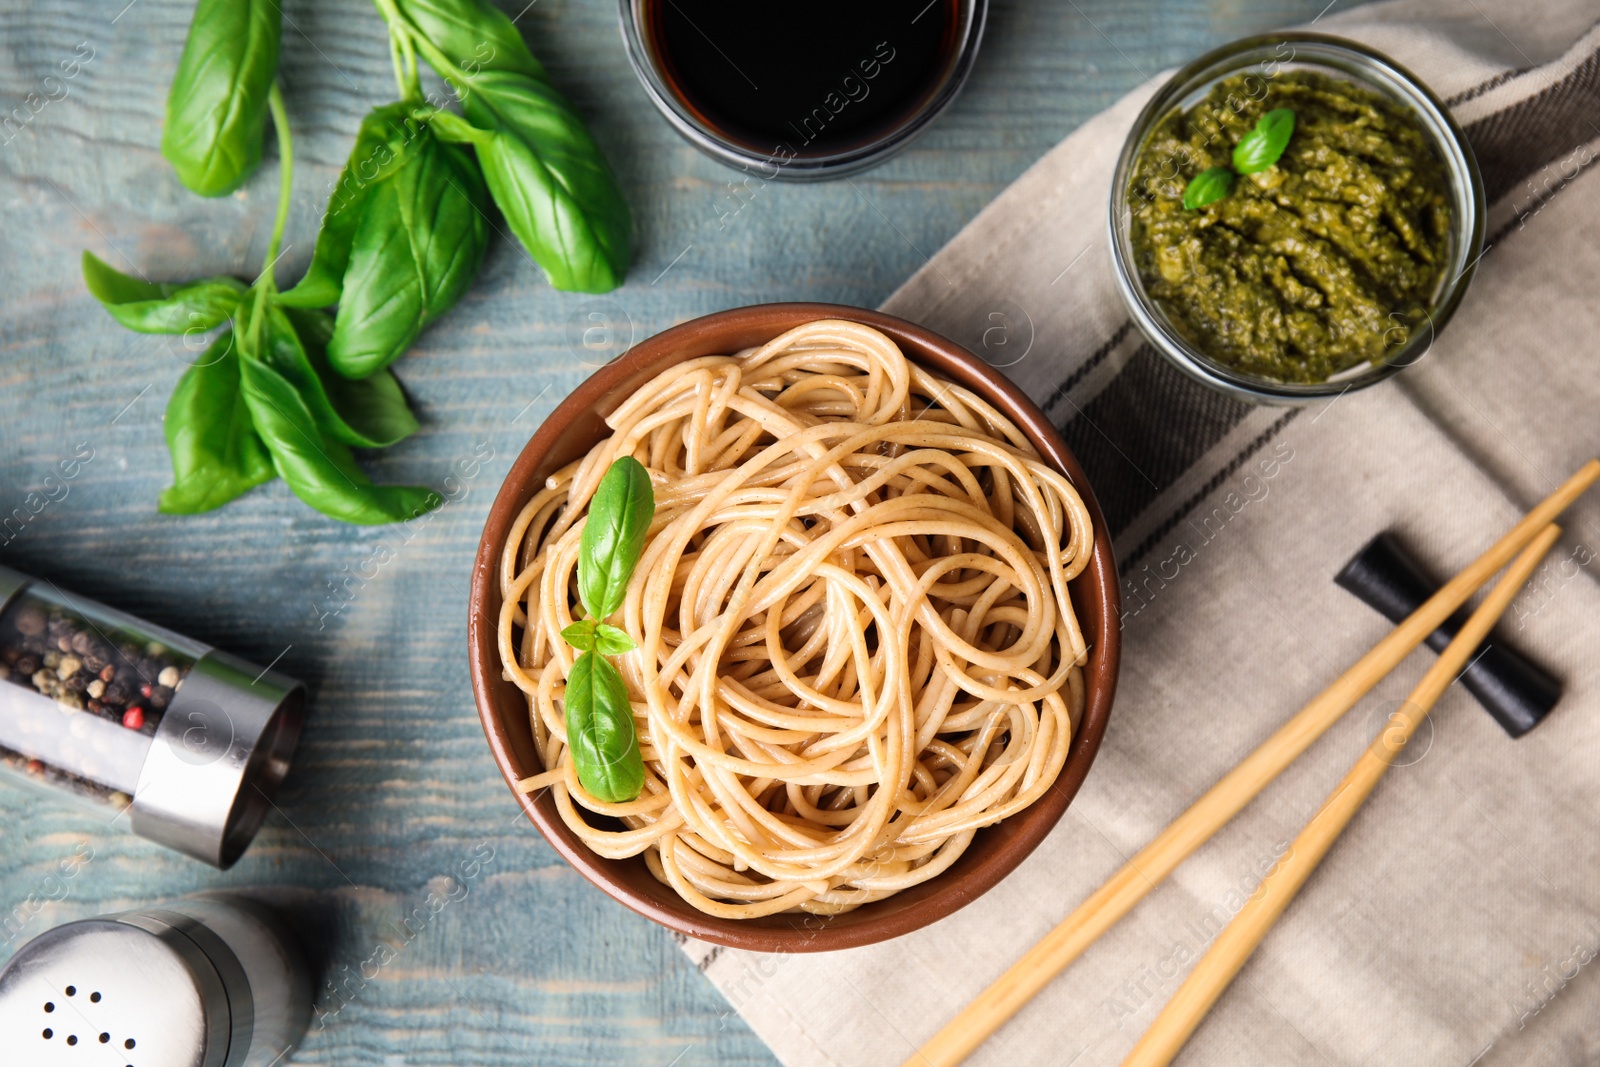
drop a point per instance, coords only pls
(1328, 259)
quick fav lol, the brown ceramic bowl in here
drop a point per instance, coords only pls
(572, 429)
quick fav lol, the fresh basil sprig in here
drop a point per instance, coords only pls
(217, 106)
(262, 398)
(1256, 151)
(289, 388)
(599, 719)
(546, 173)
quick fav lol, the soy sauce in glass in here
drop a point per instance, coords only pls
(816, 89)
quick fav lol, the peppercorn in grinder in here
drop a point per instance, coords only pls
(186, 741)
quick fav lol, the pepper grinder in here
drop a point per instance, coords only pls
(187, 741)
(208, 981)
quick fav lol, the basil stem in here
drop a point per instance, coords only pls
(601, 734)
(217, 105)
(280, 122)
(613, 535)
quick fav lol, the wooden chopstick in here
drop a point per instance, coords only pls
(1222, 961)
(1008, 993)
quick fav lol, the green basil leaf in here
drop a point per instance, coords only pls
(388, 138)
(217, 106)
(600, 731)
(551, 182)
(418, 245)
(150, 308)
(1262, 146)
(318, 467)
(370, 413)
(473, 34)
(613, 535)
(216, 454)
(610, 641)
(580, 635)
(1207, 187)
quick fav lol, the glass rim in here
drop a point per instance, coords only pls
(1364, 66)
(847, 161)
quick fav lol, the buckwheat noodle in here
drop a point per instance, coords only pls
(856, 646)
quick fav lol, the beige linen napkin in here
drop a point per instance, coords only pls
(1458, 919)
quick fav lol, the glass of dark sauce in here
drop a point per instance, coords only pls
(802, 91)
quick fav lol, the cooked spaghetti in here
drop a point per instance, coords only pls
(856, 646)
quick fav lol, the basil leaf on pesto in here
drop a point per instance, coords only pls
(1262, 146)
(1207, 187)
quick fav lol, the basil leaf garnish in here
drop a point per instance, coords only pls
(610, 641)
(600, 731)
(217, 106)
(1262, 146)
(613, 536)
(216, 453)
(580, 635)
(1207, 187)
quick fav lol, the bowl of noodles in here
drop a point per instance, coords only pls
(875, 621)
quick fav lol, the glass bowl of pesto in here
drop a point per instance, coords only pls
(1324, 269)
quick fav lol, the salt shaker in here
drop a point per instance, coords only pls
(208, 981)
(187, 741)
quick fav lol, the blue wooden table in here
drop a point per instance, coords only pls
(393, 796)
